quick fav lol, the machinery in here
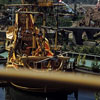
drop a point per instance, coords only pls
(28, 48)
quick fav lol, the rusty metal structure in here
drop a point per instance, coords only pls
(27, 46)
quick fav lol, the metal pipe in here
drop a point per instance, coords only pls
(52, 79)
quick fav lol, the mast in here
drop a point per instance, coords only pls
(56, 35)
(44, 24)
(27, 20)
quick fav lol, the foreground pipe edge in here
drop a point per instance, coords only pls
(55, 79)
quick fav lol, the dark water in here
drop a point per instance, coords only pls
(18, 95)
(83, 95)
(2, 94)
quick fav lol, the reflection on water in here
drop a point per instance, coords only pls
(2, 94)
(15, 94)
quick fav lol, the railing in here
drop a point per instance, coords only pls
(73, 54)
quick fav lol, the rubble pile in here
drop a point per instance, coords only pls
(4, 20)
(91, 18)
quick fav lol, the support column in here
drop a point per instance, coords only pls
(78, 36)
(90, 34)
(65, 36)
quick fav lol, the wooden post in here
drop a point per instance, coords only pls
(44, 23)
(34, 44)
